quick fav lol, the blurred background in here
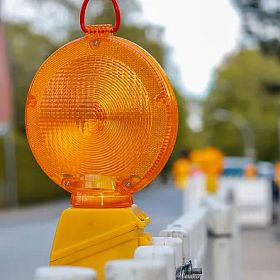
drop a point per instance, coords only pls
(222, 56)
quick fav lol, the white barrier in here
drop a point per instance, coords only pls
(175, 243)
(64, 273)
(194, 193)
(224, 251)
(136, 270)
(191, 229)
(252, 198)
(163, 253)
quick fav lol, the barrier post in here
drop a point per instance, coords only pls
(224, 258)
(164, 253)
(136, 270)
(64, 273)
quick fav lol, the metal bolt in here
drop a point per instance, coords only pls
(67, 183)
(187, 272)
(127, 184)
(95, 43)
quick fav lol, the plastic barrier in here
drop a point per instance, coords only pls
(191, 229)
(163, 253)
(136, 270)
(252, 198)
(175, 243)
(64, 273)
(194, 193)
(224, 251)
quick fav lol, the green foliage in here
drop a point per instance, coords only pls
(240, 87)
(196, 139)
(33, 184)
(27, 51)
(182, 137)
(261, 23)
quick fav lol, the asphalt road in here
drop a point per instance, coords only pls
(261, 253)
(26, 234)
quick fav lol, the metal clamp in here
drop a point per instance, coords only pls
(187, 272)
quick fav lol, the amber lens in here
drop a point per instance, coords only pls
(210, 160)
(101, 114)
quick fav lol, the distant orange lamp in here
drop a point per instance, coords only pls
(181, 170)
(277, 173)
(250, 170)
(101, 117)
(210, 160)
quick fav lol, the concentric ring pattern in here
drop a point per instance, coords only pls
(102, 110)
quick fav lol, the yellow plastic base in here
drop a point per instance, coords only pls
(92, 237)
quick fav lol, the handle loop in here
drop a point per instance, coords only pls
(117, 14)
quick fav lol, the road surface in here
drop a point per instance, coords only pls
(261, 253)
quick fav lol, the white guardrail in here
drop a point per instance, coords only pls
(207, 234)
(252, 198)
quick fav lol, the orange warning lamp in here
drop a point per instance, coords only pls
(101, 117)
(181, 170)
(101, 121)
(277, 173)
(196, 156)
(210, 160)
(250, 171)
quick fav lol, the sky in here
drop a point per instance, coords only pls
(200, 32)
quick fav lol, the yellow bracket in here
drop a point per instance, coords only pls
(91, 237)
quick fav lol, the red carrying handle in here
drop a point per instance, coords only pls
(117, 13)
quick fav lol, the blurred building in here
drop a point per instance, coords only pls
(5, 85)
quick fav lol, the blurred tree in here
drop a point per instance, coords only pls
(240, 87)
(261, 21)
(196, 134)
(27, 51)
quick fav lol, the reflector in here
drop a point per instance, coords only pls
(101, 118)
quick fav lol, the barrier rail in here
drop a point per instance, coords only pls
(64, 273)
(252, 198)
